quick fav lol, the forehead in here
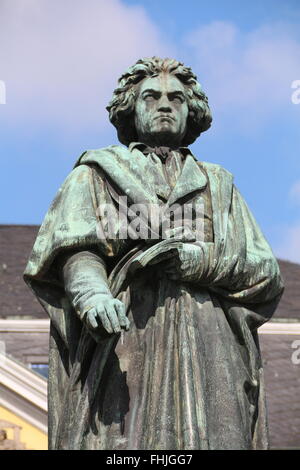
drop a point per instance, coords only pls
(163, 82)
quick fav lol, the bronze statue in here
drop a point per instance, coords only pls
(154, 316)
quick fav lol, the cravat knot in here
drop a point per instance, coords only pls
(161, 152)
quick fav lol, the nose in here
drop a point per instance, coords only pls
(164, 105)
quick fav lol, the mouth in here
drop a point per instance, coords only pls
(164, 117)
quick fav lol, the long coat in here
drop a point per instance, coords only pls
(188, 374)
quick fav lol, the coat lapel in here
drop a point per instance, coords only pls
(133, 173)
(221, 186)
(130, 171)
(191, 179)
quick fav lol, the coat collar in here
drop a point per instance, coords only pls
(191, 179)
(140, 146)
(133, 173)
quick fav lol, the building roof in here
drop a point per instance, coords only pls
(281, 373)
(281, 362)
(16, 242)
(289, 306)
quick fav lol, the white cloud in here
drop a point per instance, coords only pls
(251, 72)
(61, 59)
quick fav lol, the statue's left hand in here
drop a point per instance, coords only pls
(186, 265)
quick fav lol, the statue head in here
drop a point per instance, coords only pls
(159, 102)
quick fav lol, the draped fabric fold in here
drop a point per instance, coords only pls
(188, 374)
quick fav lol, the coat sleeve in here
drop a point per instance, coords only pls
(72, 224)
(85, 281)
(243, 271)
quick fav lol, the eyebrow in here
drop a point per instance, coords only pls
(152, 90)
(176, 92)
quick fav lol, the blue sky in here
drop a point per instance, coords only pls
(60, 61)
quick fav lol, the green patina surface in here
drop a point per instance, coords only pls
(154, 344)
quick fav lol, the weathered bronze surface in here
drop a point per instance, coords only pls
(154, 334)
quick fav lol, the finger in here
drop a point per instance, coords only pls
(113, 318)
(187, 234)
(120, 311)
(174, 233)
(91, 319)
(105, 321)
(189, 237)
(123, 320)
(183, 233)
(127, 326)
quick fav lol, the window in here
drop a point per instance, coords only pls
(41, 369)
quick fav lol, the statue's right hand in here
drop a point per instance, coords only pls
(110, 313)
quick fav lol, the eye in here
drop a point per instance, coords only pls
(178, 99)
(149, 97)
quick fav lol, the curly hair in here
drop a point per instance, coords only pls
(122, 104)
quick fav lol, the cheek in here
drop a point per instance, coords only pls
(142, 120)
(186, 112)
(148, 107)
(184, 117)
(139, 111)
(143, 110)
